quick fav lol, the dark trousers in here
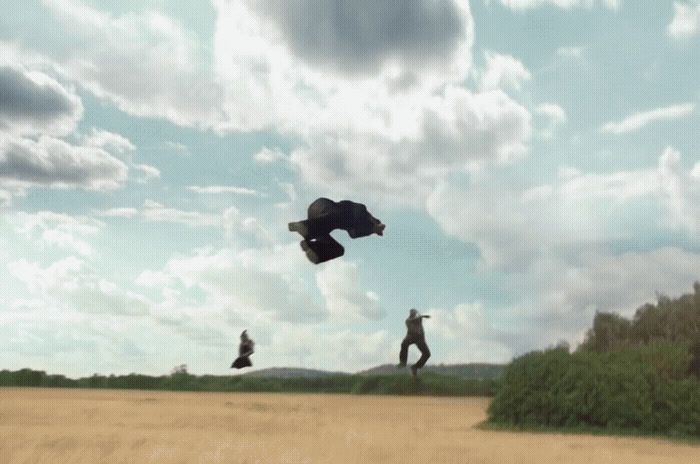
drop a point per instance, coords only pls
(419, 341)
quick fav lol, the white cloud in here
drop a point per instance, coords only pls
(51, 162)
(33, 103)
(681, 191)
(515, 228)
(224, 189)
(268, 156)
(363, 36)
(119, 56)
(503, 72)
(638, 120)
(154, 279)
(255, 285)
(115, 143)
(36, 111)
(569, 293)
(230, 220)
(572, 51)
(70, 283)
(458, 131)
(521, 5)
(6, 197)
(148, 172)
(177, 148)
(403, 124)
(273, 80)
(686, 20)
(120, 212)
(339, 284)
(339, 349)
(56, 229)
(555, 115)
(383, 101)
(616, 282)
(153, 211)
(470, 334)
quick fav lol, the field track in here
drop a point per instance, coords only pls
(106, 426)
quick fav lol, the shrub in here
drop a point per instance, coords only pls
(638, 389)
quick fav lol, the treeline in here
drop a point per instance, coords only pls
(181, 380)
(669, 320)
(640, 375)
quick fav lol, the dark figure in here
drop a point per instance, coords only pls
(245, 349)
(414, 335)
(325, 216)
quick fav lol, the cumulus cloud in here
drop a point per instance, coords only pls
(294, 76)
(36, 112)
(56, 229)
(569, 293)
(681, 190)
(114, 143)
(515, 228)
(339, 285)
(255, 284)
(231, 220)
(469, 326)
(389, 132)
(270, 155)
(459, 131)
(70, 283)
(6, 197)
(152, 211)
(617, 282)
(571, 51)
(368, 93)
(555, 117)
(565, 4)
(503, 72)
(638, 120)
(362, 36)
(51, 162)
(34, 103)
(686, 20)
(339, 349)
(119, 55)
(148, 172)
(35, 109)
(224, 189)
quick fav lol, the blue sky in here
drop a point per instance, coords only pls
(535, 161)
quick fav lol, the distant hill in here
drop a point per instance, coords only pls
(291, 372)
(466, 371)
(474, 371)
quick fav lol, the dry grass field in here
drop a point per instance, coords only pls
(93, 426)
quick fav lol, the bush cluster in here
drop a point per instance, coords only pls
(644, 389)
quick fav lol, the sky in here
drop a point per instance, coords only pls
(535, 161)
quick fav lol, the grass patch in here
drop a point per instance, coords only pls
(584, 430)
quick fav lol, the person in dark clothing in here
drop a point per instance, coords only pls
(414, 335)
(245, 349)
(325, 216)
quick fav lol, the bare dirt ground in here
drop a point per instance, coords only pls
(93, 426)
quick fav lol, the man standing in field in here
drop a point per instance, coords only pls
(414, 335)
